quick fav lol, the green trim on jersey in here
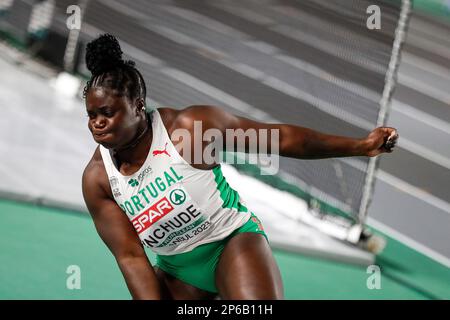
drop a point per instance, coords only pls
(229, 196)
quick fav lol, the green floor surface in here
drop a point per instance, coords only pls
(38, 244)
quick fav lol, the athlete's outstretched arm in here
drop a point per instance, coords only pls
(295, 141)
(119, 236)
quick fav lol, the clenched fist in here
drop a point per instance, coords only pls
(381, 140)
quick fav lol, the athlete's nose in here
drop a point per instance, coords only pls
(98, 122)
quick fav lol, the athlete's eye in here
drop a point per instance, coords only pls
(107, 112)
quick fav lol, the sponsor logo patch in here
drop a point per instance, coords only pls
(152, 215)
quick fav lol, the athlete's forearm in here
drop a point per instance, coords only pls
(303, 143)
(140, 278)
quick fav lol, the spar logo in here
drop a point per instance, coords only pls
(152, 215)
(177, 196)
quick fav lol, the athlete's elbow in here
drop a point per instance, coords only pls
(128, 256)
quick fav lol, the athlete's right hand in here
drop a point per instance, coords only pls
(381, 140)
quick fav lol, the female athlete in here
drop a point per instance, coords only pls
(142, 190)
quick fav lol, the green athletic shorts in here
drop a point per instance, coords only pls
(198, 267)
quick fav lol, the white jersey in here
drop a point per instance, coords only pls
(173, 206)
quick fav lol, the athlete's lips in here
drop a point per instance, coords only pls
(99, 134)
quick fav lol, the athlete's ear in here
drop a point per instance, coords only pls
(140, 106)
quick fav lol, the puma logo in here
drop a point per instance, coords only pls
(164, 151)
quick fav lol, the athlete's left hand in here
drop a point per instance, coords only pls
(381, 140)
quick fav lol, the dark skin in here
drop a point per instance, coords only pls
(116, 121)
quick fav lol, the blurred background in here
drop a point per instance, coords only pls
(313, 63)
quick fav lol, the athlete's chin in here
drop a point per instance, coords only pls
(107, 145)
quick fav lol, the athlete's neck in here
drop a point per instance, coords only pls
(137, 150)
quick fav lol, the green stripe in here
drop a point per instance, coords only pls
(229, 196)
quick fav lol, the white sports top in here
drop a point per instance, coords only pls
(173, 206)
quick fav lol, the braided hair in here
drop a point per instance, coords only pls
(109, 70)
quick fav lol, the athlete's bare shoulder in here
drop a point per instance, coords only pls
(168, 116)
(181, 118)
(184, 118)
(95, 164)
(95, 178)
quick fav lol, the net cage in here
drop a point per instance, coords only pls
(316, 63)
